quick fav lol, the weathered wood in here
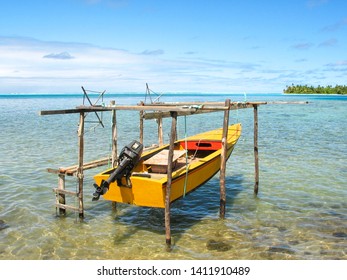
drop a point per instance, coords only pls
(114, 135)
(223, 161)
(71, 170)
(141, 124)
(80, 163)
(61, 196)
(256, 158)
(159, 162)
(285, 102)
(59, 112)
(64, 206)
(156, 115)
(181, 107)
(60, 191)
(169, 180)
(160, 131)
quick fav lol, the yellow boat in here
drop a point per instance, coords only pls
(141, 178)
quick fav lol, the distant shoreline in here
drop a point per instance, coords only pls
(327, 94)
(306, 89)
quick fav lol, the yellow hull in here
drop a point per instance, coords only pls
(149, 188)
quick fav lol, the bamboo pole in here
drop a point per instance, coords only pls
(256, 158)
(80, 164)
(223, 160)
(169, 180)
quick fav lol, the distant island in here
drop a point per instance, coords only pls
(305, 89)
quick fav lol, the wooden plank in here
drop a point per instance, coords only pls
(64, 206)
(59, 112)
(161, 158)
(63, 191)
(71, 170)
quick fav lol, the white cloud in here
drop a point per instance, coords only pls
(328, 43)
(153, 52)
(335, 26)
(32, 65)
(302, 46)
(62, 55)
(316, 3)
(29, 65)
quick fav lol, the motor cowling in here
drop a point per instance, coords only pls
(127, 160)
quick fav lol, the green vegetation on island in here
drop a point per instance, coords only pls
(305, 89)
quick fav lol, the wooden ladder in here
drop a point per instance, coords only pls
(61, 191)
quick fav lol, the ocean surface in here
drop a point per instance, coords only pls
(300, 212)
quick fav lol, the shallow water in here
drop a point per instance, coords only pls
(299, 213)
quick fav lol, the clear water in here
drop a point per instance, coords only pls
(299, 213)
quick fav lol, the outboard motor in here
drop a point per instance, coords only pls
(127, 160)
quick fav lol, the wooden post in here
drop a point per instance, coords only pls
(141, 123)
(114, 135)
(223, 160)
(169, 180)
(160, 131)
(80, 163)
(114, 143)
(256, 158)
(61, 196)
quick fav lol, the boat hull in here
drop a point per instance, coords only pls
(149, 189)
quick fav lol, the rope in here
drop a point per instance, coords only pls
(197, 147)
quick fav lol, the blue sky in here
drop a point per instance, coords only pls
(222, 46)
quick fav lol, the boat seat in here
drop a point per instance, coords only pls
(159, 161)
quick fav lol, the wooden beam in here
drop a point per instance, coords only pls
(71, 170)
(59, 112)
(187, 108)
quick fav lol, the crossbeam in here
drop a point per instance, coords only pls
(188, 108)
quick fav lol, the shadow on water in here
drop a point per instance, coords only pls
(186, 212)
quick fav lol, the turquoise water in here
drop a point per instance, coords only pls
(300, 212)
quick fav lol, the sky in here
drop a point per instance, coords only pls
(203, 46)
